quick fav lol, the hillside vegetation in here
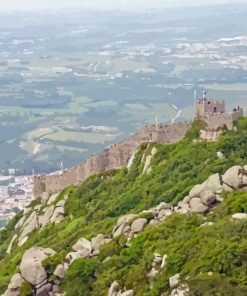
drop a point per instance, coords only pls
(211, 260)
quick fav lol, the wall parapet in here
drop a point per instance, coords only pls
(114, 157)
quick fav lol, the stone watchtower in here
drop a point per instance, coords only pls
(207, 107)
(214, 113)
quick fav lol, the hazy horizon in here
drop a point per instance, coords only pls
(108, 4)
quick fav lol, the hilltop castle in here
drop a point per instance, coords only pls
(215, 115)
(118, 155)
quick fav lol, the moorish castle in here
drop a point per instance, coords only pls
(215, 115)
(119, 155)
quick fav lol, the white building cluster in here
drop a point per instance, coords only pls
(16, 192)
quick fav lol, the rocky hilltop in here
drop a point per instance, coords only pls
(171, 221)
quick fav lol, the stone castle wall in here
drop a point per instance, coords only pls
(216, 120)
(209, 106)
(114, 157)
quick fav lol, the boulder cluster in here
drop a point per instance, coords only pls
(33, 274)
(84, 248)
(38, 217)
(131, 225)
(201, 199)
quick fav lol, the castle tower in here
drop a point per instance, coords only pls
(206, 107)
(214, 113)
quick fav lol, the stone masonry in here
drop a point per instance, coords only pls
(114, 157)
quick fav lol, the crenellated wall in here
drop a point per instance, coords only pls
(114, 157)
(209, 106)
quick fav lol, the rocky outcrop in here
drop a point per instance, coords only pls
(60, 271)
(122, 223)
(97, 242)
(32, 273)
(236, 177)
(174, 281)
(203, 197)
(30, 225)
(14, 287)
(83, 245)
(114, 289)
(31, 265)
(138, 225)
(58, 215)
(38, 217)
(197, 206)
(44, 219)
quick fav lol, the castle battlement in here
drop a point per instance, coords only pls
(215, 115)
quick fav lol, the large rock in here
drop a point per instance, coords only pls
(60, 271)
(184, 206)
(58, 215)
(207, 196)
(163, 206)
(233, 177)
(197, 189)
(197, 206)
(138, 225)
(99, 241)
(16, 281)
(44, 290)
(83, 245)
(44, 219)
(164, 213)
(71, 257)
(174, 281)
(31, 265)
(29, 226)
(214, 182)
(14, 285)
(122, 223)
(114, 289)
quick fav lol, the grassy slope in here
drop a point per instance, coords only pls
(94, 207)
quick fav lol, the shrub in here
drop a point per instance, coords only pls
(26, 289)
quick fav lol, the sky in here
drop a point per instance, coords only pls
(56, 4)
